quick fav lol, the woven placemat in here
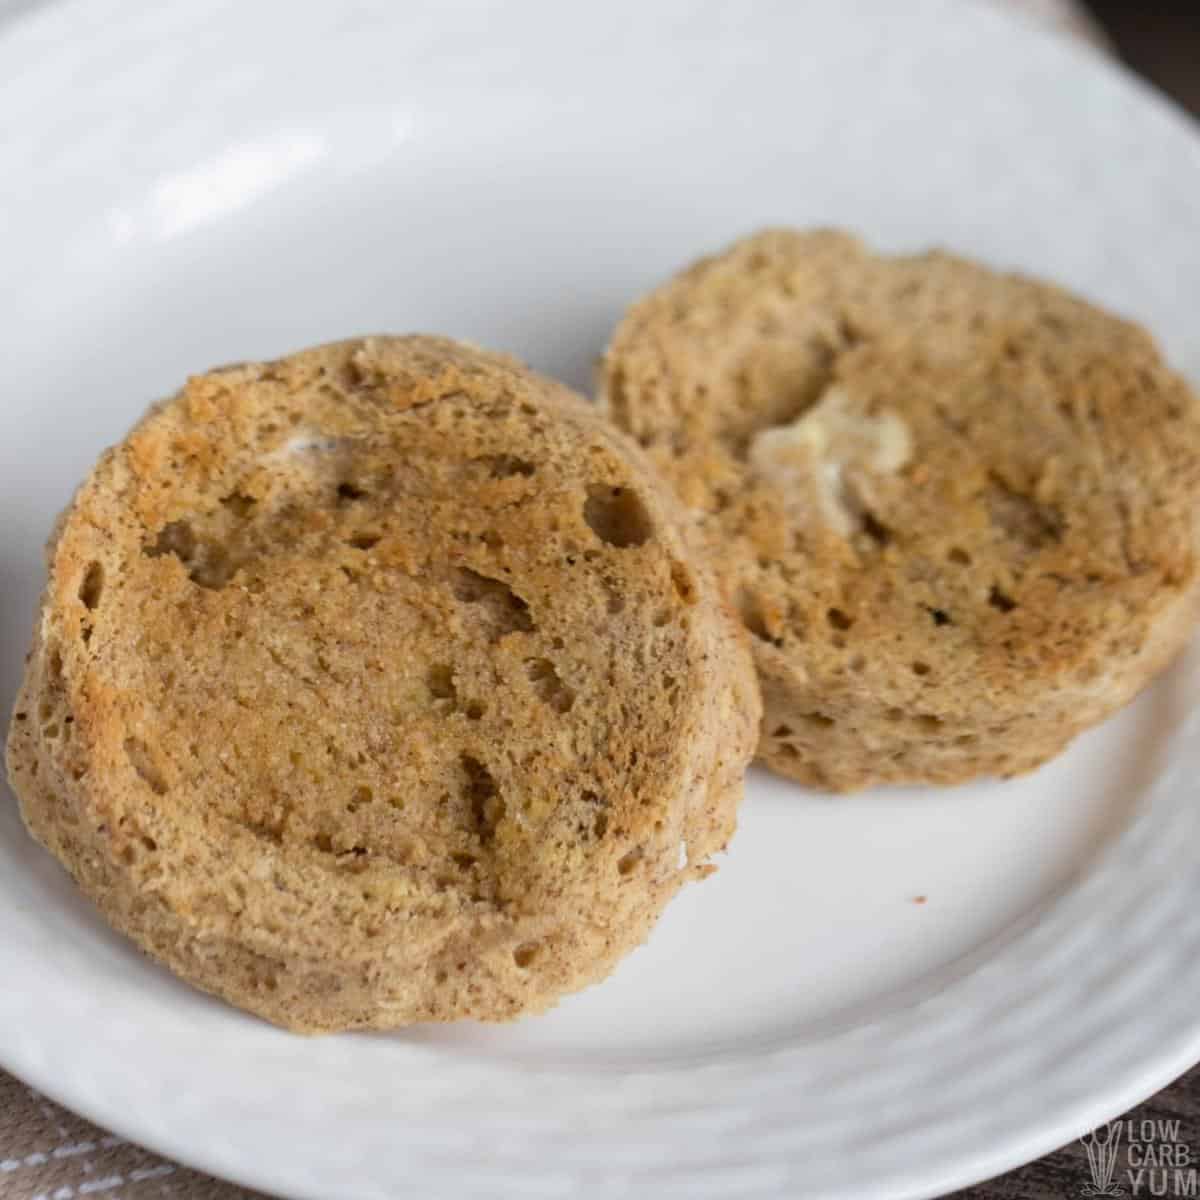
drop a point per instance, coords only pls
(48, 1153)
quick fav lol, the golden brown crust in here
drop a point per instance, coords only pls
(375, 685)
(957, 509)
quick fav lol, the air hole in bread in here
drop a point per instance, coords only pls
(685, 586)
(525, 953)
(363, 541)
(1019, 517)
(360, 375)
(959, 556)
(838, 619)
(216, 570)
(209, 565)
(440, 682)
(549, 687)
(782, 731)
(239, 504)
(920, 668)
(875, 529)
(818, 720)
(849, 334)
(142, 761)
(486, 804)
(348, 492)
(1001, 600)
(505, 466)
(92, 586)
(628, 861)
(940, 616)
(177, 538)
(508, 612)
(929, 722)
(616, 515)
(600, 820)
(351, 854)
(750, 608)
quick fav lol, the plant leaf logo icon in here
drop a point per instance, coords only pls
(1101, 1146)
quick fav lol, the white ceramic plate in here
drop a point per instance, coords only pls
(184, 184)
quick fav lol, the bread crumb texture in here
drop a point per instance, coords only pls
(377, 685)
(957, 510)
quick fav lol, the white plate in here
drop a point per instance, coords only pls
(184, 184)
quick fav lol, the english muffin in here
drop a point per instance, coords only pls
(377, 685)
(958, 510)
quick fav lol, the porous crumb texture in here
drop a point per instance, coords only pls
(376, 685)
(957, 510)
